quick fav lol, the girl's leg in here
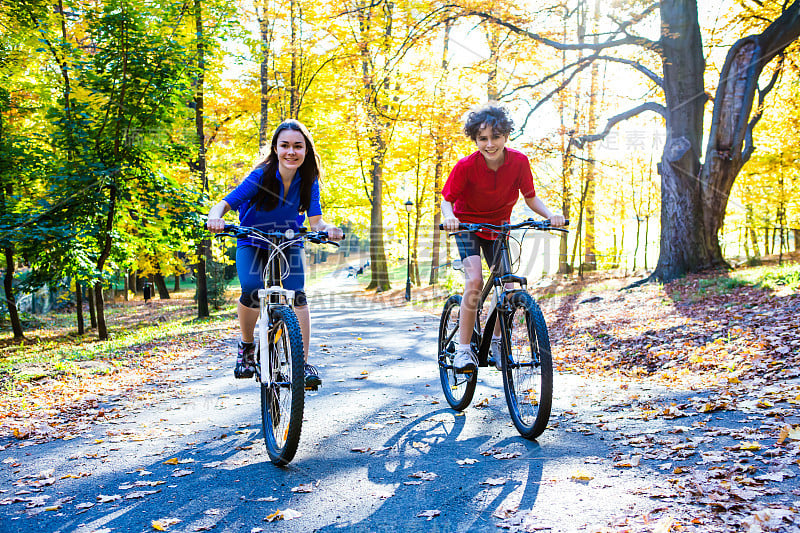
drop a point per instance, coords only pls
(248, 267)
(303, 317)
(247, 321)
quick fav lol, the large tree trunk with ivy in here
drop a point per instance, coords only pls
(695, 195)
(683, 245)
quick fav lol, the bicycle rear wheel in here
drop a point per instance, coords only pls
(458, 388)
(283, 386)
(527, 367)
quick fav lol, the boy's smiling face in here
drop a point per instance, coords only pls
(490, 144)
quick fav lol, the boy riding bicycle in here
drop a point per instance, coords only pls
(483, 188)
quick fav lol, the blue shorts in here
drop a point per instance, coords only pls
(250, 263)
(471, 244)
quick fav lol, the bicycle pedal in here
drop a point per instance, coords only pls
(311, 388)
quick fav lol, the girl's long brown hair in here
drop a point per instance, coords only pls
(269, 193)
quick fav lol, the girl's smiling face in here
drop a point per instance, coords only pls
(291, 150)
(490, 145)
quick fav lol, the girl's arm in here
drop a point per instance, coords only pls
(317, 224)
(215, 223)
(535, 203)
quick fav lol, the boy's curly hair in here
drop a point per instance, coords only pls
(490, 114)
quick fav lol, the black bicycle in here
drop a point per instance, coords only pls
(279, 367)
(526, 361)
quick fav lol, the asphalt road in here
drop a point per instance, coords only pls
(380, 449)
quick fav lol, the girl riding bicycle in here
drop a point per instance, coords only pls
(483, 188)
(280, 191)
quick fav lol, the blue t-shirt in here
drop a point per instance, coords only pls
(286, 214)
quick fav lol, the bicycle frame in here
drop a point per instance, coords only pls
(499, 276)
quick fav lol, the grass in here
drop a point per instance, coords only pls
(52, 345)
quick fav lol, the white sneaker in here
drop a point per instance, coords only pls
(465, 360)
(497, 353)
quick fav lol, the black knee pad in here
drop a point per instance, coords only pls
(300, 298)
(249, 299)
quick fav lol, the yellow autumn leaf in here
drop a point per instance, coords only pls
(172, 461)
(750, 445)
(764, 404)
(158, 526)
(581, 475)
(784, 434)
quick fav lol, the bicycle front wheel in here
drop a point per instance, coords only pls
(458, 388)
(282, 386)
(527, 367)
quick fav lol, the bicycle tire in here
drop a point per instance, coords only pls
(528, 368)
(283, 386)
(458, 388)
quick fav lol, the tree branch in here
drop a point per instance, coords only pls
(647, 106)
(749, 147)
(647, 44)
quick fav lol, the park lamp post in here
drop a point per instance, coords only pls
(408, 205)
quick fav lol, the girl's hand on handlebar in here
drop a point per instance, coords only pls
(215, 225)
(451, 224)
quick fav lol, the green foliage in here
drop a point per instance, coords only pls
(217, 284)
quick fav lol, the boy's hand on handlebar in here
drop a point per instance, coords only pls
(451, 224)
(334, 233)
(556, 221)
(215, 225)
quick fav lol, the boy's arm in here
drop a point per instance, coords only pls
(535, 203)
(450, 221)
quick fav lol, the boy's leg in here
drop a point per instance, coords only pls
(465, 359)
(473, 282)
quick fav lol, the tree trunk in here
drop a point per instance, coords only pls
(102, 331)
(590, 254)
(377, 253)
(79, 307)
(683, 245)
(11, 300)
(265, 29)
(177, 286)
(694, 197)
(438, 169)
(203, 245)
(92, 313)
(163, 293)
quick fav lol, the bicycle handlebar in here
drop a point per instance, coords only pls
(317, 237)
(543, 225)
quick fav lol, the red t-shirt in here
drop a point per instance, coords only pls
(482, 195)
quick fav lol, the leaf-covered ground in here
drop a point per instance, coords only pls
(698, 382)
(725, 358)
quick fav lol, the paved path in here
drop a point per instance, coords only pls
(379, 448)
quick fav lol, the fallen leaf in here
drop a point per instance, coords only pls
(494, 481)
(286, 514)
(429, 514)
(581, 475)
(304, 487)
